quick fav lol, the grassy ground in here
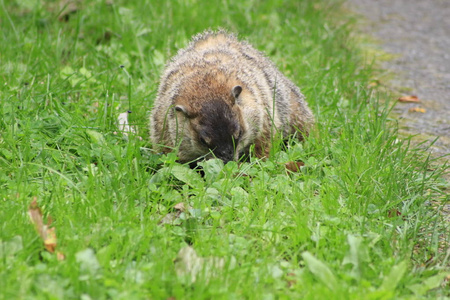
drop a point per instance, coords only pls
(356, 222)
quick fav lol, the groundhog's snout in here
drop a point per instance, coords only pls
(225, 154)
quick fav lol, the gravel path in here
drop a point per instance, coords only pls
(417, 32)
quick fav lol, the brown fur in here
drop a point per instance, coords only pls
(219, 96)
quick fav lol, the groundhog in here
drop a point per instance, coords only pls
(219, 96)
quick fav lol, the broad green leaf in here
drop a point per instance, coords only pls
(188, 176)
(213, 194)
(212, 169)
(391, 281)
(85, 72)
(158, 58)
(88, 261)
(66, 72)
(320, 270)
(357, 254)
(239, 196)
(11, 247)
(428, 284)
(6, 153)
(96, 137)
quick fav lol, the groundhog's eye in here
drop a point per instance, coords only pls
(240, 134)
(203, 142)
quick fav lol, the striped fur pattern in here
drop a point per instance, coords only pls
(218, 96)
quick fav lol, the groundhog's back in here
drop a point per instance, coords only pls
(264, 83)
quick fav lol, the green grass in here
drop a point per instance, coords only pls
(359, 221)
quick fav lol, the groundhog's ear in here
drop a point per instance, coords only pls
(183, 109)
(236, 91)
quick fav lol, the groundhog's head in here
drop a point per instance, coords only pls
(215, 126)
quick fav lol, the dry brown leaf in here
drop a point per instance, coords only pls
(413, 99)
(291, 280)
(60, 256)
(36, 218)
(180, 207)
(50, 239)
(447, 280)
(373, 84)
(68, 8)
(47, 233)
(393, 212)
(294, 166)
(171, 217)
(418, 109)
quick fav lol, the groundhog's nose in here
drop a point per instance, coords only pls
(225, 155)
